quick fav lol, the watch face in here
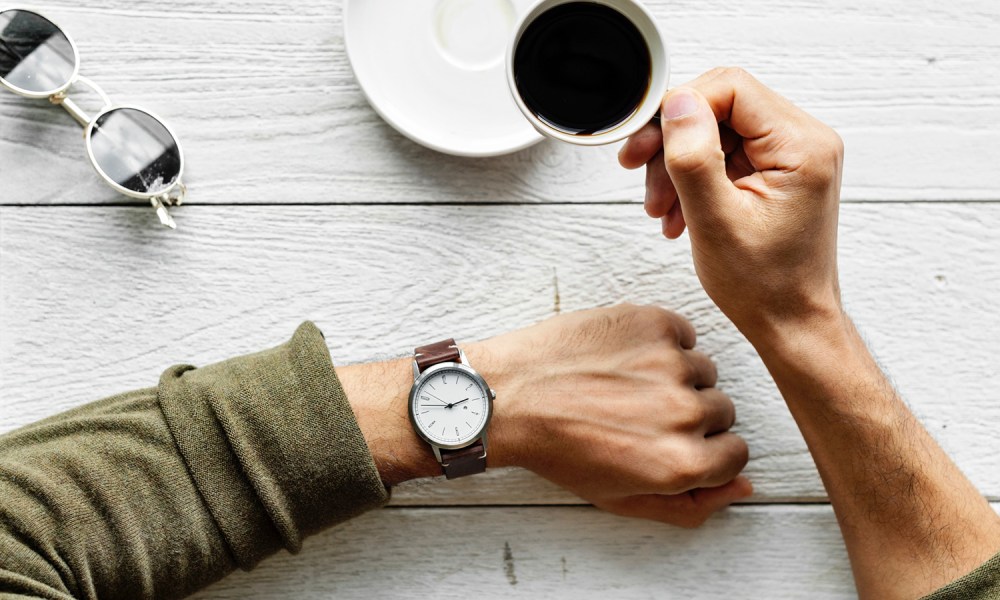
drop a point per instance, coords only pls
(450, 407)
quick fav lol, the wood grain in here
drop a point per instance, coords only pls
(264, 100)
(97, 301)
(743, 553)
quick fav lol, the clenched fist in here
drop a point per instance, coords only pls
(616, 406)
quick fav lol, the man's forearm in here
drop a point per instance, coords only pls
(911, 520)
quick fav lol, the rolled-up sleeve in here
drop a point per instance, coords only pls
(981, 584)
(158, 492)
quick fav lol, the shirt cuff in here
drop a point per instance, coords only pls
(272, 444)
(981, 584)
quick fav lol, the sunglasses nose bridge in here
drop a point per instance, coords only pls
(63, 100)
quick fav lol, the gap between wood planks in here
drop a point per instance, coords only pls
(125, 204)
(751, 503)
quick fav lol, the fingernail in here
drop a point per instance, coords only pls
(680, 103)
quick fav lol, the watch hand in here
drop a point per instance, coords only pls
(433, 396)
(459, 402)
(445, 405)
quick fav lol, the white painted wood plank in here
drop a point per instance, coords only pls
(743, 553)
(95, 301)
(264, 100)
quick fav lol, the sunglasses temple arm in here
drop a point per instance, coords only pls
(161, 211)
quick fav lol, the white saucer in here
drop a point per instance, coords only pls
(434, 70)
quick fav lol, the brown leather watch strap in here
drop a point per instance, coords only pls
(438, 352)
(466, 461)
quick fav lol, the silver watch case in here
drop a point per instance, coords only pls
(419, 378)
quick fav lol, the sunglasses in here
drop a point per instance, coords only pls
(130, 148)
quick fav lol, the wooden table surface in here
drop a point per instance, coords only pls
(304, 204)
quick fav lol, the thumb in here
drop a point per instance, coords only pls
(692, 153)
(717, 498)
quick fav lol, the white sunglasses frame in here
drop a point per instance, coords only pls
(172, 196)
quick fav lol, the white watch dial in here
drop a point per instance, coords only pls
(450, 407)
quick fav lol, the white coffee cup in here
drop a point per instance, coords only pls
(645, 22)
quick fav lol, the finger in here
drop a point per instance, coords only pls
(689, 510)
(713, 499)
(680, 510)
(693, 156)
(754, 112)
(720, 412)
(725, 455)
(683, 331)
(673, 222)
(641, 147)
(704, 372)
(731, 140)
(660, 193)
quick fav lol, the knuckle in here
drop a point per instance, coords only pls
(738, 74)
(685, 160)
(712, 370)
(837, 142)
(716, 71)
(731, 408)
(824, 154)
(660, 318)
(661, 323)
(690, 375)
(742, 453)
(623, 313)
(688, 472)
(687, 373)
(836, 145)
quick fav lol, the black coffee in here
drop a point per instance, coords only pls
(582, 67)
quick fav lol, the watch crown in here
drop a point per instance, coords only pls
(493, 394)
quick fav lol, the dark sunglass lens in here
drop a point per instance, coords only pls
(35, 55)
(135, 151)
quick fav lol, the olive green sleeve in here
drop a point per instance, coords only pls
(981, 584)
(158, 492)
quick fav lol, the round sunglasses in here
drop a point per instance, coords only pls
(130, 148)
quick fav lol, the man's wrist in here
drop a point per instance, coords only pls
(378, 394)
(500, 373)
(803, 337)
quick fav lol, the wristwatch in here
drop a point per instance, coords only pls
(450, 408)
